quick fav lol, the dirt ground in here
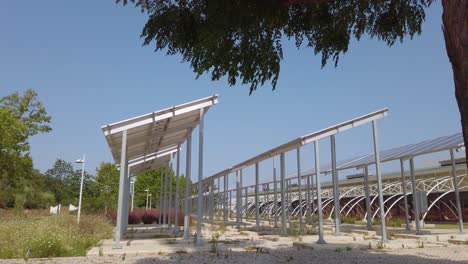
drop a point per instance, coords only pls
(452, 254)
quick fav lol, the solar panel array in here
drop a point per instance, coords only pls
(408, 151)
(403, 152)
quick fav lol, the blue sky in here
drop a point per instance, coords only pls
(86, 61)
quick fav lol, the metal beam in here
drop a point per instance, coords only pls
(379, 181)
(123, 162)
(200, 179)
(188, 168)
(319, 193)
(457, 193)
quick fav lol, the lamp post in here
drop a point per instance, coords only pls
(133, 192)
(147, 192)
(82, 161)
(150, 200)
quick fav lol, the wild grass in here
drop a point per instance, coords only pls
(51, 236)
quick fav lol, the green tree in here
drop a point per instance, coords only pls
(152, 181)
(54, 178)
(21, 116)
(106, 186)
(242, 39)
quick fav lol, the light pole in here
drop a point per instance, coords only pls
(133, 192)
(147, 192)
(82, 161)
(150, 200)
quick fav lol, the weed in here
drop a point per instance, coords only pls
(124, 256)
(420, 244)
(380, 245)
(51, 236)
(338, 249)
(290, 258)
(242, 233)
(214, 242)
(348, 248)
(101, 251)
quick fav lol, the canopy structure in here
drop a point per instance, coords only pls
(450, 143)
(300, 141)
(296, 144)
(150, 141)
(157, 131)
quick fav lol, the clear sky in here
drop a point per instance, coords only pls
(86, 61)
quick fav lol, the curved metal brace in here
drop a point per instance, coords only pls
(388, 199)
(350, 201)
(438, 198)
(356, 203)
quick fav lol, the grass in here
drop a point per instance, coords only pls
(449, 226)
(51, 236)
(391, 222)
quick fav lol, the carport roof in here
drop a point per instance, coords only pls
(152, 137)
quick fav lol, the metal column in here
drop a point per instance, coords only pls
(275, 195)
(246, 190)
(238, 199)
(123, 174)
(200, 178)
(299, 186)
(309, 205)
(257, 212)
(367, 194)
(416, 205)
(457, 193)
(225, 196)
(161, 201)
(336, 195)
(319, 193)
(218, 204)
(166, 200)
(284, 230)
(169, 207)
(405, 199)
(230, 204)
(211, 200)
(188, 166)
(379, 181)
(176, 216)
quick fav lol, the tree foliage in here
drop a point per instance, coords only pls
(21, 116)
(242, 39)
(152, 181)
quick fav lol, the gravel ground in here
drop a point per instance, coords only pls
(452, 254)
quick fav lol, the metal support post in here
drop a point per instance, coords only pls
(319, 193)
(416, 205)
(284, 231)
(379, 181)
(257, 200)
(275, 195)
(457, 193)
(336, 194)
(200, 178)
(299, 187)
(123, 174)
(188, 166)
(405, 199)
(367, 194)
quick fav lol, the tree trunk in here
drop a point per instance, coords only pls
(455, 28)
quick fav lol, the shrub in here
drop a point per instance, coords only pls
(148, 218)
(134, 218)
